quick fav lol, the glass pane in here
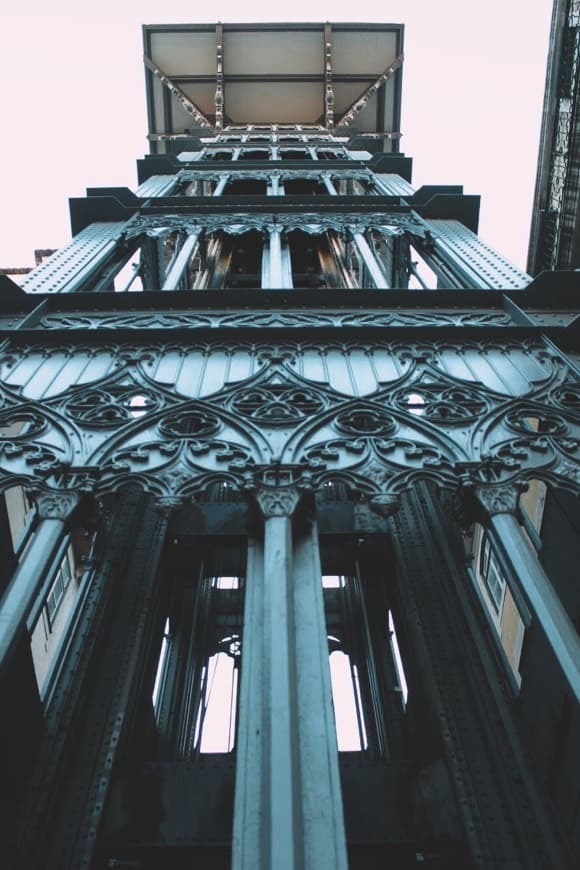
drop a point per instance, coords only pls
(350, 730)
(219, 705)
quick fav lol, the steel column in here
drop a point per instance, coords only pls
(538, 591)
(457, 688)
(181, 262)
(221, 185)
(276, 269)
(288, 806)
(30, 574)
(109, 725)
(327, 181)
(370, 261)
(321, 796)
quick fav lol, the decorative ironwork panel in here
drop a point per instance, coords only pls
(175, 319)
(393, 223)
(175, 416)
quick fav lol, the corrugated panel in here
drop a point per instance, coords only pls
(495, 271)
(70, 266)
(157, 185)
(394, 185)
(201, 371)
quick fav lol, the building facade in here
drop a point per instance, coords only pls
(555, 230)
(289, 461)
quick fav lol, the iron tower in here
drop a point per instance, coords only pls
(289, 461)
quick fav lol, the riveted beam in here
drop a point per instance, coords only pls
(219, 76)
(328, 88)
(359, 104)
(187, 104)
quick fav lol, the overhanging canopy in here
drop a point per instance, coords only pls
(343, 77)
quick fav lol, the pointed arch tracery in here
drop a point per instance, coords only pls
(139, 420)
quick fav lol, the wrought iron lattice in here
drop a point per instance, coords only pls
(277, 404)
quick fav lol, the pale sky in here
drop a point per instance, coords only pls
(73, 101)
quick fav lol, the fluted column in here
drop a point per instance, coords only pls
(54, 509)
(288, 805)
(525, 572)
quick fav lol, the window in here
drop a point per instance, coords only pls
(369, 688)
(351, 733)
(195, 691)
(57, 590)
(491, 574)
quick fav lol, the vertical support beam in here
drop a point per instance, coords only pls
(219, 76)
(321, 796)
(532, 581)
(328, 89)
(276, 272)
(288, 806)
(181, 262)
(338, 251)
(458, 700)
(221, 185)
(370, 261)
(274, 186)
(327, 181)
(106, 726)
(282, 812)
(54, 509)
(21, 723)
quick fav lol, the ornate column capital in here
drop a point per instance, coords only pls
(279, 488)
(277, 502)
(166, 504)
(500, 498)
(55, 504)
(385, 505)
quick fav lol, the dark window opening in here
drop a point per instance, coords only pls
(245, 187)
(196, 686)
(220, 491)
(256, 154)
(327, 154)
(304, 187)
(294, 154)
(220, 155)
(334, 491)
(312, 261)
(245, 266)
(369, 688)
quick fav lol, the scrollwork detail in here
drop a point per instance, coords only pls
(189, 424)
(277, 404)
(365, 420)
(55, 504)
(277, 502)
(499, 499)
